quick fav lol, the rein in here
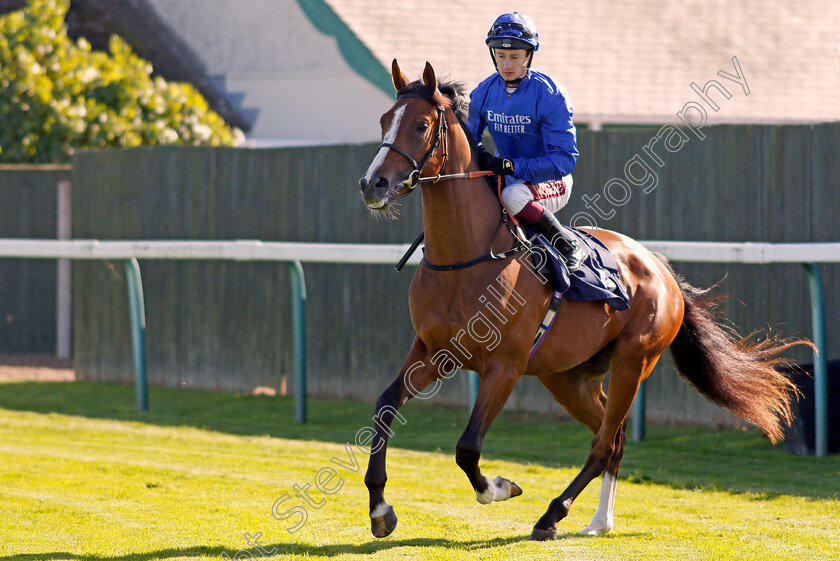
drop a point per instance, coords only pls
(486, 257)
(415, 179)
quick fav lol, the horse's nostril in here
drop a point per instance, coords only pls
(363, 183)
(382, 183)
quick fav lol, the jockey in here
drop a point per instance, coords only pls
(530, 119)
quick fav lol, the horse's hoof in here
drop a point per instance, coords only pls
(596, 529)
(382, 526)
(499, 489)
(538, 535)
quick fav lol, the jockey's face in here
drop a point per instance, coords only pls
(511, 63)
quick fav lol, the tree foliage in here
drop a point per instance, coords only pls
(57, 95)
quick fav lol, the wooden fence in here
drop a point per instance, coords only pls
(28, 209)
(225, 325)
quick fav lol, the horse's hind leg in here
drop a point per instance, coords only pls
(579, 391)
(415, 375)
(497, 382)
(602, 520)
(608, 444)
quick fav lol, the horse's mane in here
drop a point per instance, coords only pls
(450, 94)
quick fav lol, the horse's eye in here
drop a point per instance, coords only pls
(422, 127)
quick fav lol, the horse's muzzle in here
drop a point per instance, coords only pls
(376, 192)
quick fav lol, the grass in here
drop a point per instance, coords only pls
(84, 476)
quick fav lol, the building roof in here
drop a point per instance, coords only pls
(631, 61)
(138, 23)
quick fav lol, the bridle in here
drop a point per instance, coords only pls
(414, 178)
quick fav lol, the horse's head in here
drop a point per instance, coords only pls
(413, 140)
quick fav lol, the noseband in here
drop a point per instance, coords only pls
(414, 178)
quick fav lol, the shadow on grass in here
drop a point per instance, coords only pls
(277, 549)
(304, 550)
(375, 546)
(739, 461)
(160, 554)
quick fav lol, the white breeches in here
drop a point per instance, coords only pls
(552, 194)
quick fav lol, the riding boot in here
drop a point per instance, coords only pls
(568, 247)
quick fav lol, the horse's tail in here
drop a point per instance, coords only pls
(738, 373)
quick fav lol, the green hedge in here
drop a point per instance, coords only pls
(57, 95)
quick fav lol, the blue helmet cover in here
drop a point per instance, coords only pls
(513, 31)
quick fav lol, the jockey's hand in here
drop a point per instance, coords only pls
(489, 162)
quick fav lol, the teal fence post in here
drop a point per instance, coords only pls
(298, 282)
(639, 412)
(473, 381)
(820, 360)
(137, 318)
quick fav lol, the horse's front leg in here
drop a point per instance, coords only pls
(497, 383)
(415, 376)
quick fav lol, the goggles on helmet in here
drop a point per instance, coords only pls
(513, 30)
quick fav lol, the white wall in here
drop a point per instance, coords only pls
(291, 72)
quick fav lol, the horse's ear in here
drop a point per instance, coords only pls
(429, 77)
(400, 79)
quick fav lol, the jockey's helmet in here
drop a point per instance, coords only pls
(513, 31)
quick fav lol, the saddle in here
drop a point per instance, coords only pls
(598, 277)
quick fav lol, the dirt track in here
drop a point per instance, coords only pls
(36, 367)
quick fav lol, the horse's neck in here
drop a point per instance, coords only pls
(460, 217)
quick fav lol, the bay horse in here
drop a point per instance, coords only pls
(459, 326)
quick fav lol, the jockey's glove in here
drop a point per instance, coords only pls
(489, 162)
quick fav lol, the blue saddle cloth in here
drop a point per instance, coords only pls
(597, 279)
